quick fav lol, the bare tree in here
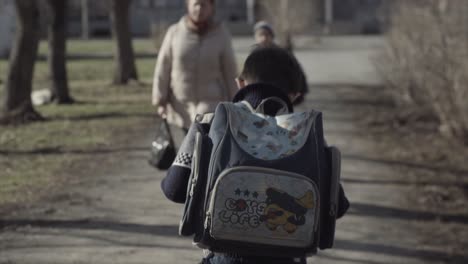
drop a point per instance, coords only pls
(57, 51)
(84, 19)
(125, 69)
(285, 25)
(18, 107)
(328, 15)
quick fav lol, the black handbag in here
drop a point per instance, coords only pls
(163, 151)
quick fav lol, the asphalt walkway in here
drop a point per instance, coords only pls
(122, 216)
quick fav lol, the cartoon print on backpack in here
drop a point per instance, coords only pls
(266, 137)
(279, 209)
(243, 210)
(285, 210)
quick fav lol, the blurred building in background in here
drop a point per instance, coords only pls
(151, 17)
(357, 16)
(341, 16)
(89, 16)
(331, 16)
(7, 26)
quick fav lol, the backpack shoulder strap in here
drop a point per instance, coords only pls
(204, 118)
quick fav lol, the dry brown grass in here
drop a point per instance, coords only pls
(37, 158)
(426, 61)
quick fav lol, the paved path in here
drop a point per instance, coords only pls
(122, 217)
(332, 60)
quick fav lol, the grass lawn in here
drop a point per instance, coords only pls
(100, 46)
(40, 156)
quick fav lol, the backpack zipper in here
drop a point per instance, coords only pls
(195, 162)
(334, 181)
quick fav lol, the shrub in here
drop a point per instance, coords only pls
(426, 60)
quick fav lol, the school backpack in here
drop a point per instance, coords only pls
(262, 185)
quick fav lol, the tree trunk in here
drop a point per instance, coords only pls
(285, 37)
(251, 12)
(125, 69)
(18, 107)
(57, 51)
(84, 19)
(328, 11)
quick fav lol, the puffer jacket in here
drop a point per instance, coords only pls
(194, 72)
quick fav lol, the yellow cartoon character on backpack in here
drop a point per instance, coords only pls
(285, 210)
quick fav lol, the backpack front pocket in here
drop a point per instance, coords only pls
(264, 206)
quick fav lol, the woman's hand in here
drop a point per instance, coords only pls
(162, 111)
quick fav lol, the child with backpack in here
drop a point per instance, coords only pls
(258, 181)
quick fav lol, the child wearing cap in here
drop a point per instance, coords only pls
(263, 33)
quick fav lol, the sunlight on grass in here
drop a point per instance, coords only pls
(38, 156)
(35, 154)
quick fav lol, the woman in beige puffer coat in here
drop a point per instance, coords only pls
(196, 67)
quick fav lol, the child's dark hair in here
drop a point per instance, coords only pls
(275, 66)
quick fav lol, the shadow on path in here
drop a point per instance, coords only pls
(406, 164)
(347, 259)
(399, 251)
(98, 241)
(89, 224)
(362, 209)
(452, 183)
(59, 151)
(99, 116)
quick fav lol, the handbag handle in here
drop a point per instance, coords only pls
(168, 129)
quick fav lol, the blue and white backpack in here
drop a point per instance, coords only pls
(262, 185)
